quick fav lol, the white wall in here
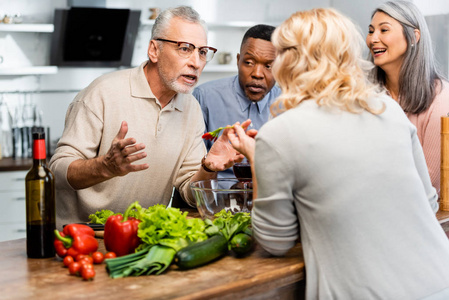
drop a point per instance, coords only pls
(433, 7)
(33, 48)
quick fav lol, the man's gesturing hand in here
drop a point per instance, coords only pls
(123, 152)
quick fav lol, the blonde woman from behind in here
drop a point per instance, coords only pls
(341, 166)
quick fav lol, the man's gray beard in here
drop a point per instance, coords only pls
(174, 85)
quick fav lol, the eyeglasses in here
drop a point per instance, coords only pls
(185, 50)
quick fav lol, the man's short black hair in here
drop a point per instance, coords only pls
(260, 31)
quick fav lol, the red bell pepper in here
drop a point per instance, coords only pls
(120, 233)
(75, 239)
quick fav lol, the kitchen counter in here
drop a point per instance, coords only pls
(258, 276)
(10, 164)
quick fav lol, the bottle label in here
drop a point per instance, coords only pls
(36, 198)
(39, 149)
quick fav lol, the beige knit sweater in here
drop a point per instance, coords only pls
(172, 136)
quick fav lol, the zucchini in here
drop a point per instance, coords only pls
(201, 253)
(241, 243)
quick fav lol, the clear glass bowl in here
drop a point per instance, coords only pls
(230, 194)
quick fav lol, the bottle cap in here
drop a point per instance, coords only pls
(38, 135)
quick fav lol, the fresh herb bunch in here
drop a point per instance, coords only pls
(228, 224)
(101, 216)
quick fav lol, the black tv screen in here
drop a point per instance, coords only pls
(94, 37)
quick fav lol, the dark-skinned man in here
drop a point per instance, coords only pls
(247, 95)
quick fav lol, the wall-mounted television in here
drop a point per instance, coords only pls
(94, 37)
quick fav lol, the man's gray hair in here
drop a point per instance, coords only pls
(186, 13)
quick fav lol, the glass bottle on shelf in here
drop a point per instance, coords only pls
(17, 134)
(6, 130)
(26, 130)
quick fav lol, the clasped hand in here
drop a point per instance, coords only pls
(242, 141)
(232, 146)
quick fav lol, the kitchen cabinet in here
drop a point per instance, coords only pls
(12, 205)
(27, 70)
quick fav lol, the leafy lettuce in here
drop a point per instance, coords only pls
(100, 217)
(228, 225)
(168, 227)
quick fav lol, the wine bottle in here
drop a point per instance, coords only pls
(40, 203)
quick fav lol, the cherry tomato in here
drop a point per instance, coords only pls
(74, 268)
(86, 266)
(80, 257)
(110, 255)
(88, 273)
(98, 257)
(89, 259)
(85, 261)
(67, 260)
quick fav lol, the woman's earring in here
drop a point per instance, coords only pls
(413, 45)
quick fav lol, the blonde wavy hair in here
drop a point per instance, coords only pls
(320, 57)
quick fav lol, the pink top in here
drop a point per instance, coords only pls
(428, 124)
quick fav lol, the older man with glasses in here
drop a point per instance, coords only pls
(133, 135)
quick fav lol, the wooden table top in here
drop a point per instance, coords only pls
(227, 278)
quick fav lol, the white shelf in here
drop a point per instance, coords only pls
(238, 24)
(147, 22)
(27, 27)
(220, 68)
(235, 24)
(32, 70)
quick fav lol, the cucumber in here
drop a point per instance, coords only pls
(241, 243)
(201, 253)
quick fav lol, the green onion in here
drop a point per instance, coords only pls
(150, 260)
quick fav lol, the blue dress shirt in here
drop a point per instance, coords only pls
(224, 102)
